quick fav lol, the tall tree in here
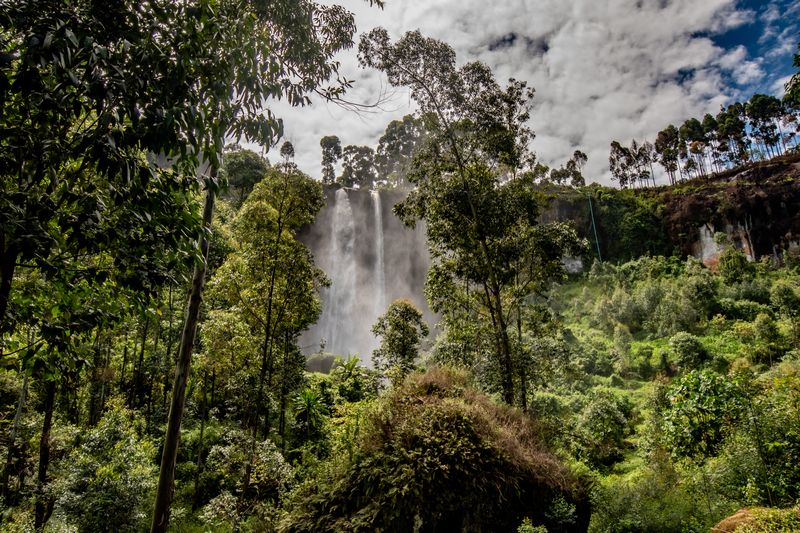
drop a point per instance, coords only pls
(331, 152)
(764, 112)
(666, 147)
(620, 162)
(793, 85)
(358, 167)
(242, 170)
(260, 50)
(479, 208)
(396, 149)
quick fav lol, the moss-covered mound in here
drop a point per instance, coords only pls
(436, 455)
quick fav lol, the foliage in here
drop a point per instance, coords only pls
(703, 406)
(242, 169)
(602, 427)
(434, 452)
(689, 352)
(107, 482)
(734, 266)
(224, 471)
(770, 521)
(400, 330)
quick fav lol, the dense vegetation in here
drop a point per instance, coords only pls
(650, 393)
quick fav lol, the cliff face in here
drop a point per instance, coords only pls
(758, 207)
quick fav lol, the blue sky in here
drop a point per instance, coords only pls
(603, 70)
(771, 36)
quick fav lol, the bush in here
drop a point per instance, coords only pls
(603, 425)
(741, 309)
(109, 478)
(689, 351)
(434, 454)
(703, 407)
(734, 266)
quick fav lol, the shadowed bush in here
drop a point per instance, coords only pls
(436, 455)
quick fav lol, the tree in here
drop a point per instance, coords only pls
(571, 171)
(297, 42)
(793, 85)
(400, 330)
(694, 138)
(287, 151)
(620, 162)
(480, 209)
(331, 152)
(89, 97)
(786, 299)
(666, 147)
(396, 149)
(764, 112)
(269, 282)
(703, 406)
(358, 167)
(243, 169)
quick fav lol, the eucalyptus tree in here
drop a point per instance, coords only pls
(620, 162)
(396, 149)
(331, 152)
(472, 191)
(358, 167)
(793, 85)
(694, 137)
(764, 112)
(666, 147)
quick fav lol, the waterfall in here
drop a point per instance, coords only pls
(380, 269)
(371, 260)
(337, 317)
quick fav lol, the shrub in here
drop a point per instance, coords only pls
(603, 425)
(109, 477)
(434, 454)
(741, 309)
(734, 266)
(689, 351)
(703, 407)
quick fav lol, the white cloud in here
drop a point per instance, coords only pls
(617, 69)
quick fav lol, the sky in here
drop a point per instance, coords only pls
(603, 70)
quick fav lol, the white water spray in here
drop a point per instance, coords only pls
(380, 268)
(338, 325)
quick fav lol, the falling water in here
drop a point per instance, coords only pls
(339, 304)
(371, 260)
(380, 270)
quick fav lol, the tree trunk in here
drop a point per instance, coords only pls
(13, 449)
(523, 375)
(505, 347)
(133, 395)
(8, 263)
(284, 392)
(169, 456)
(124, 362)
(97, 378)
(199, 466)
(168, 353)
(44, 506)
